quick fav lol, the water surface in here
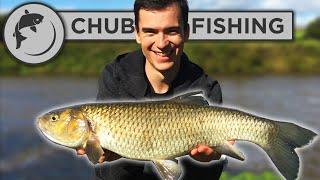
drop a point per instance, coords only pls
(25, 155)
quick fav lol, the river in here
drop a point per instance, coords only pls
(26, 155)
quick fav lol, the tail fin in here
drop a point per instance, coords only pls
(19, 38)
(282, 151)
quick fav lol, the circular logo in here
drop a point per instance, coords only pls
(34, 33)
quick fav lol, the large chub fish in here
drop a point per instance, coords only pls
(161, 131)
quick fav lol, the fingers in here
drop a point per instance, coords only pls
(202, 149)
(204, 154)
(194, 151)
(205, 150)
(102, 159)
(232, 142)
(206, 158)
(81, 151)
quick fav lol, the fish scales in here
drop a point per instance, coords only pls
(163, 130)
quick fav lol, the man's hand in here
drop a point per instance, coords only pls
(204, 153)
(107, 156)
(80, 151)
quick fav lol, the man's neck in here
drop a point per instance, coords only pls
(161, 80)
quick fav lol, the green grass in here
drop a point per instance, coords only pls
(216, 57)
(299, 34)
(250, 176)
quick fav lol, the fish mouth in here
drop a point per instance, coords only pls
(44, 133)
(38, 123)
(41, 127)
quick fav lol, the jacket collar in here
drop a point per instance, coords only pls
(132, 74)
(134, 80)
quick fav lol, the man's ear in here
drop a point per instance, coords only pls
(136, 33)
(186, 32)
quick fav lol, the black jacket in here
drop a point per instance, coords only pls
(125, 79)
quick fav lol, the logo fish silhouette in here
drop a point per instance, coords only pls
(27, 20)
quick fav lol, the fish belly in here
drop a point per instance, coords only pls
(161, 131)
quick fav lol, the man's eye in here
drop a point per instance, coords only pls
(149, 33)
(173, 32)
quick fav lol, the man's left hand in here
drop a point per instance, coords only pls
(205, 153)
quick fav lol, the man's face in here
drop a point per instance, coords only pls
(162, 35)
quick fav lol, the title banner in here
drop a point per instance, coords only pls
(204, 25)
(35, 33)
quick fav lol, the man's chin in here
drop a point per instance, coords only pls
(164, 66)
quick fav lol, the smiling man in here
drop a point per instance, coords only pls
(160, 69)
(161, 33)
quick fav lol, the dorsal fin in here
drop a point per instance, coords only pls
(195, 97)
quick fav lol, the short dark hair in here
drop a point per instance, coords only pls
(160, 4)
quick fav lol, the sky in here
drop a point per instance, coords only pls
(305, 10)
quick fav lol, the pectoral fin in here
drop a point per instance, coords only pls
(93, 150)
(33, 28)
(230, 150)
(168, 169)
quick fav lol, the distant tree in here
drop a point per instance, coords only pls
(313, 29)
(2, 19)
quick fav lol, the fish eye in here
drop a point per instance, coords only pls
(54, 117)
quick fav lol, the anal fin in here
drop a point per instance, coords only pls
(230, 150)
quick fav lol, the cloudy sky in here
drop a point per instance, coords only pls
(305, 10)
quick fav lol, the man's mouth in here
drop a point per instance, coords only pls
(163, 54)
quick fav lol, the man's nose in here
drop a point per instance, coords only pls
(162, 41)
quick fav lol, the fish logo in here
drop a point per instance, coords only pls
(34, 33)
(26, 21)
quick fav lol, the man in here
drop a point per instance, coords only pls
(159, 70)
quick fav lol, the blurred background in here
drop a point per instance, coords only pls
(278, 80)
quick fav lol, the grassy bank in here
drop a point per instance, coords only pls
(250, 176)
(225, 58)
